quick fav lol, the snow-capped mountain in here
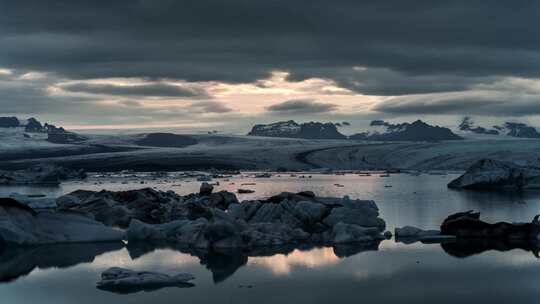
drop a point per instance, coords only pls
(515, 129)
(291, 129)
(416, 131)
(511, 129)
(467, 124)
(13, 126)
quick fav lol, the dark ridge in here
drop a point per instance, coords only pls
(167, 140)
(9, 122)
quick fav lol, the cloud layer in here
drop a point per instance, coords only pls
(153, 89)
(302, 106)
(180, 61)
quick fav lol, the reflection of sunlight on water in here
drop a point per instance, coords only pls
(281, 264)
(158, 258)
(392, 245)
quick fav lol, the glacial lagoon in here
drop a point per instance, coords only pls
(385, 272)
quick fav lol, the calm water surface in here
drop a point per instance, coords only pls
(388, 272)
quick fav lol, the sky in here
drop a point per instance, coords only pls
(225, 65)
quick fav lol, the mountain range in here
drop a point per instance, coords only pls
(381, 130)
(54, 134)
(415, 131)
(512, 129)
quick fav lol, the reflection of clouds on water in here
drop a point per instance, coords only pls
(311, 276)
(161, 258)
(281, 264)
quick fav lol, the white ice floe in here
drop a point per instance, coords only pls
(125, 280)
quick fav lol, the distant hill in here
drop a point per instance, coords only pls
(166, 140)
(416, 131)
(291, 129)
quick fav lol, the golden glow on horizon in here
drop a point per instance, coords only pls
(217, 101)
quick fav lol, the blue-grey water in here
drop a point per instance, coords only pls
(388, 273)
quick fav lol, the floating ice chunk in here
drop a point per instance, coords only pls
(121, 280)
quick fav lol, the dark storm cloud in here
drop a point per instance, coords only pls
(32, 98)
(154, 89)
(210, 107)
(422, 46)
(385, 82)
(493, 103)
(301, 106)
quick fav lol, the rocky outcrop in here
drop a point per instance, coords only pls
(291, 129)
(497, 175)
(123, 281)
(416, 131)
(21, 225)
(167, 140)
(284, 219)
(40, 175)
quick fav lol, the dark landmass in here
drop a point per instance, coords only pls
(167, 140)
